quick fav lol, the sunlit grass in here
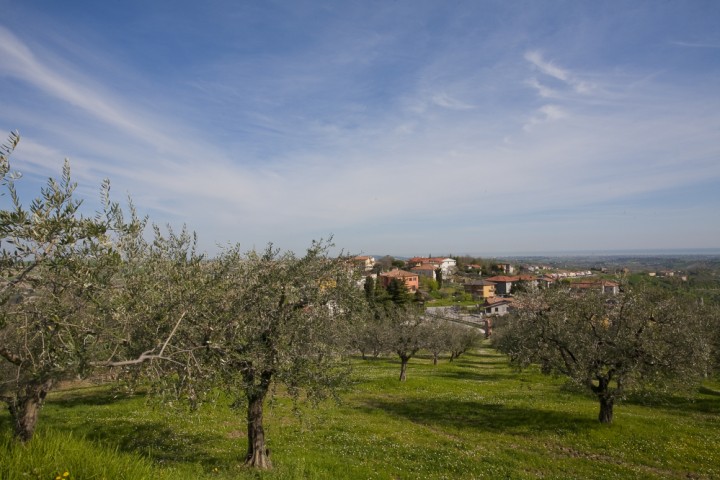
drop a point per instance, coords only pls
(473, 418)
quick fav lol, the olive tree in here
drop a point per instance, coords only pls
(246, 322)
(442, 335)
(407, 332)
(288, 322)
(609, 344)
(54, 264)
(460, 339)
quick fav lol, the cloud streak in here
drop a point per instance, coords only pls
(383, 134)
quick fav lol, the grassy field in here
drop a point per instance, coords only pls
(473, 418)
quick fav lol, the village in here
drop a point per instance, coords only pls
(485, 290)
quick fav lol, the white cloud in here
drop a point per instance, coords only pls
(546, 113)
(543, 91)
(444, 100)
(548, 68)
(696, 44)
(559, 73)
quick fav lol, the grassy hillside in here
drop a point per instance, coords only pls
(474, 418)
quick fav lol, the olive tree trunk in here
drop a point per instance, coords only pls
(258, 455)
(25, 407)
(606, 398)
(403, 367)
(606, 409)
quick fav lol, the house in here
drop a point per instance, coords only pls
(425, 270)
(612, 288)
(497, 306)
(480, 288)
(364, 262)
(505, 267)
(446, 264)
(503, 284)
(604, 286)
(545, 281)
(411, 280)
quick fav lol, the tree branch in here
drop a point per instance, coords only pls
(10, 356)
(146, 355)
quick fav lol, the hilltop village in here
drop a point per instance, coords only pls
(486, 286)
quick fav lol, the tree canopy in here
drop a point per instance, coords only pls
(609, 344)
(55, 265)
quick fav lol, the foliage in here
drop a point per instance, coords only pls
(244, 323)
(398, 292)
(428, 284)
(407, 332)
(447, 336)
(54, 266)
(397, 263)
(609, 345)
(369, 288)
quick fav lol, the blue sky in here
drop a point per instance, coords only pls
(400, 127)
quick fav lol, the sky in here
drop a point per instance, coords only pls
(398, 127)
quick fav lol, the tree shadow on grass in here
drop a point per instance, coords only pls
(705, 401)
(160, 443)
(150, 437)
(474, 375)
(489, 417)
(86, 396)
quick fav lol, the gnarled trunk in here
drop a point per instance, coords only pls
(25, 409)
(606, 409)
(403, 367)
(606, 398)
(258, 455)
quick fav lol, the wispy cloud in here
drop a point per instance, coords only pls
(373, 133)
(551, 69)
(546, 113)
(695, 44)
(18, 61)
(446, 101)
(543, 90)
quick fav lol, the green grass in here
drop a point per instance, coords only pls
(473, 418)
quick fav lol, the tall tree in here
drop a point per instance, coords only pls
(398, 292)
(609, 344)
(369, 287)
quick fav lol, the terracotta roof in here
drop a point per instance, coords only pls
(497, 300)
(502, 278)
(514, 278)
(398, 274)
(424, 266)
